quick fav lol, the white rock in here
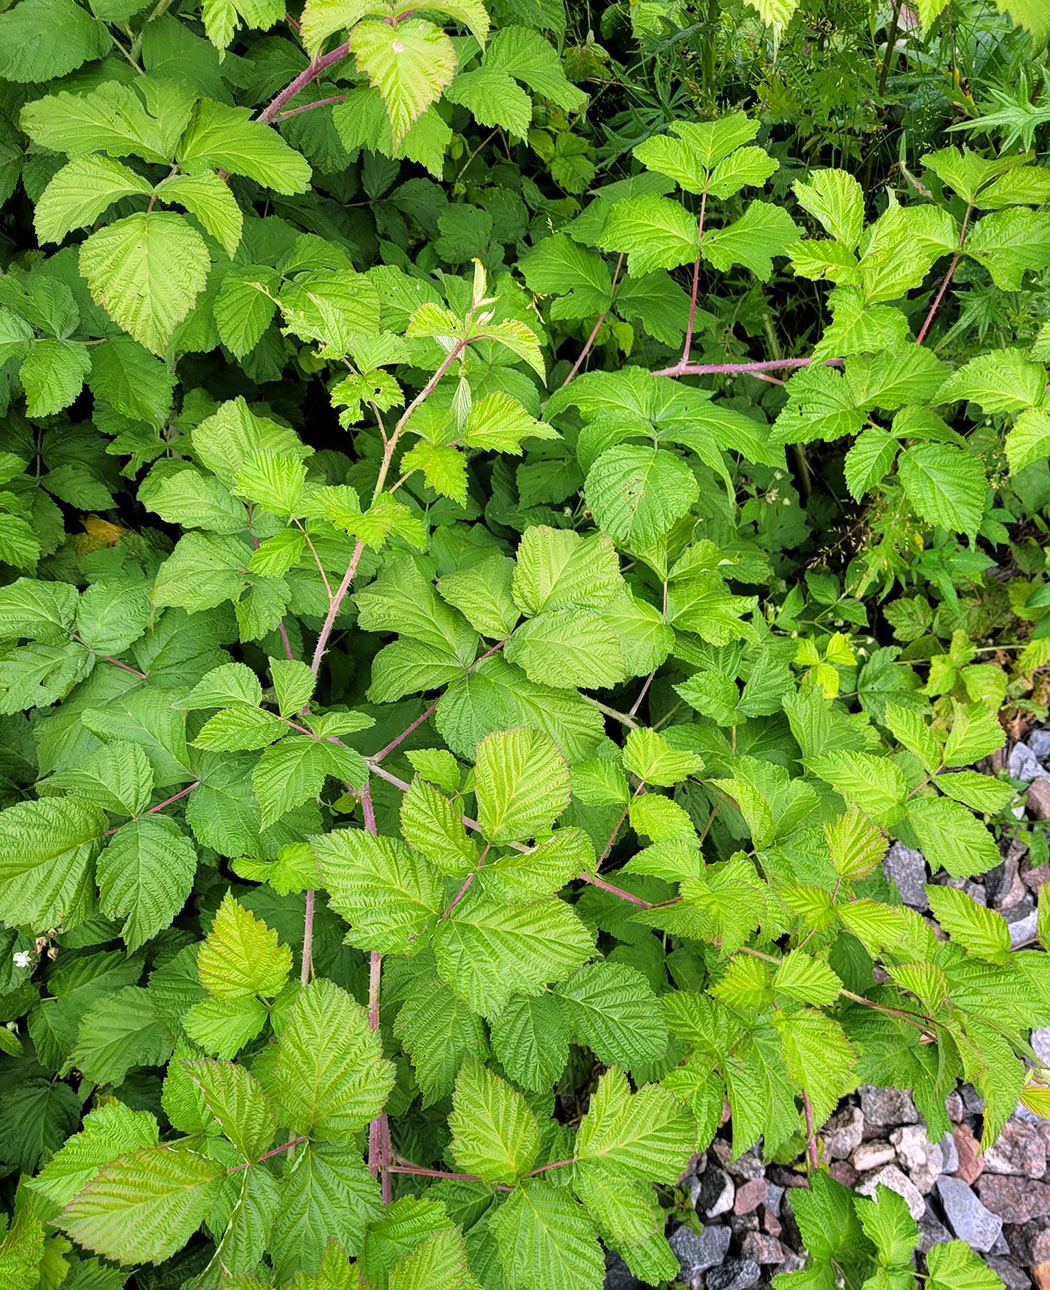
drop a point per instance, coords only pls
(923, 1160)
(870, 1155)
(892, 1177)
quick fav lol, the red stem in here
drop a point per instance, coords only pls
(301, 81)
(160, 805)
(740, 369)
(811, 1140)
(594, 332)
(333, 608)
(309, 107)
(117, 663)
(696, 276)
(287, 643)
(595, 881)
(287, 1146)
(946, 280)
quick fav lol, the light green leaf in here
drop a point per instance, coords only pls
(437, 1029)
(79, 193)
(494, 1134)
(951, 838)
(410, 64)
(241, 956)
(329, 1077)
(762, 232)
(46, 852)
(836, 199)
(236, 1100)
(544, 1238)
(648, 755)
(522, 784)
(984, 932)
(146, 271)
(208, 198)
(945, 485)
(52, 375)
(144, 1206)
(653, 231)
(611, 1008)
(559, 569)
(637, 494)
(386, 891)
(226, 137)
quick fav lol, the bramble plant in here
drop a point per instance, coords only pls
(471, 627)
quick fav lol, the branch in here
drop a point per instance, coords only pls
(740, 369)
(947, 279)
(696, 275)
(287, 1146)
(301, 81)
(160, 805)
(594, 332)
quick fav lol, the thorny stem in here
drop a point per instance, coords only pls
(696, 276)
(308, 939)
(309, 107)
(594, 332)
(740, 369)
(287, 1146)
(334, 606)
(947, 278)
(301, 81)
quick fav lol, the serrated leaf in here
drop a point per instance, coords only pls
(330, 1077)
(494, 1134)
(236, 1100)
(984, 932)
(611, 1008)
(241, 956)
(409, 63)
(145, 875)
(79, 193)
(522, 784)
(544, 1237)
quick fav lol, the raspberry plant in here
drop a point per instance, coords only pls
(440, 783)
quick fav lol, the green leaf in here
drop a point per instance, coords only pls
(146, 271)
(241, 956)
(79, 193)
(119, 1031)
(109, 1131)
(237, 1102)
(131, 379)
(545, 1239)
(1010, 243)
(437, 1030)
(653, 232)
(1006, 381)
(568, 648)
(645, 1135)
(559, 569)
(975, 733)
(294, 770)
(46, 853)
(836, 199)
(487, 949)
(871, 783)
(145, 875)
(482, 594)
(329, 1077)
(28, 48)
(955, 1266)
(410, 64)
(240, 728)
(494, 1134)
(500, 423)
(648, 755)
(698, 149)
(807, 980)
(762, 232)
(531, 1039)
(1029, 440)
(522, 784)
(52, 375)
(226, 137)
(432, 824)
(984, 932)
(207, 198)
(637, 494)
(951, 838)
(387, 892)
(493, 99)
(144, 1206)
(611, 1008)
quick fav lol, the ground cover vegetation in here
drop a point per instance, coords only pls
(507, 511)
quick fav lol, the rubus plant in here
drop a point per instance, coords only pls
(445, 772)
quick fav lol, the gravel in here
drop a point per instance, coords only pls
(967, 1216)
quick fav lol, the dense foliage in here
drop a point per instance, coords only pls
(504, 521)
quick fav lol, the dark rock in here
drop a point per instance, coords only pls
(967, 1216)
(931, 1230)
(1004, 885)
(618, 1276)
(748, 1166)
(907, 868)
(774, 1199)
(1030, 1242)
(1039, 743)
(842, 1171)
(887, 1107)
(698, 1251)
(1019, 1149)
(972, 1100)
(1015, 1200)
(970, 1164)
(1012, 1277)
(741, 1224)
(716, 1192)
(953, 1104)
(762, 1249)
(734, 1274)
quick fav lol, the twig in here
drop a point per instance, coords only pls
(301, 81)
(308, 940)
(811, 1140)
(740, 369)
(309, 107)
(696, 275)
(160, 805)
(266, 1155)
(946, 280)
(601, 318)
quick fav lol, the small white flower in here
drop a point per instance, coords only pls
(22, 958)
